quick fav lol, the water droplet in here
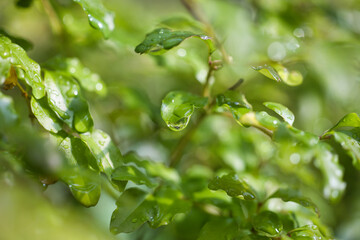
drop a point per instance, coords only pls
(99, 86)
(102, 143)
(276, 51)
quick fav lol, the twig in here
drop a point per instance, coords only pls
(236, 85)
(55, 22)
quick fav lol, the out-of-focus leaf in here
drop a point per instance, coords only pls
(88, 80)
(84, 185)
(350, 145)
(308, 232)
(233, 186)
(45, 115)
(131, 173)
(283, 111)
(219, 229)
(31, 70)
(135, 208)
(8, 116)
(280, 74)
(154, 169)
(106, 153)
(181, 23)
(25, 44)
(99, 17)
(162, 39)
(65, 100)
(177, 108)
(332, 171)
(4, 70)
(267, 224)
(260, 119)
(293, 195)
(24, 3)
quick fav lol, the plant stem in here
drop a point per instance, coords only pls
(53, 17)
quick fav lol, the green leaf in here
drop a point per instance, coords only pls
(8, 115)
(233, 186)
(328, 163)
(45, 115)
(292, 195)
(25, 44)
(350, 120)
(177, 108)
(24, 3)
(134, 208)
(222, 228)
(279, 73)
(99, 17)
(131, 173)
(88, 80)
(162, 39)
(106, 153)
(308, 232)
(350, 145)
(283, 111)
(4, 70)
(30, 70)
(267, 224)
(65, 100)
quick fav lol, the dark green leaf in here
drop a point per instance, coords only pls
(45, 115)
(219, 229)
(135, 208)
(99, 17)
(132, 173)
(350, 145)
(162, 39)
(279, 73)
(65, 100)
(283, 111)
(267, 224)
(293, 195)
(106, 153)
(233, 186)
(29, 69)
(88, 80)
(177, 108)
(24, 3)
(8, 116)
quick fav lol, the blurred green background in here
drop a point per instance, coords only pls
(318, 38)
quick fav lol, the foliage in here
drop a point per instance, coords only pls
(160, 128)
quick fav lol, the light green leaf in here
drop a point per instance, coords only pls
(267, 224)
(351, 120)
(293, 195)
(88, 80)
(134, 208)
(350, 145)
(283, 111)
(308, 232)
(45, 115)
(222, 228)
(233, 186)
(14, 54)
(177, 108)
(8, 115)
(99, 17)
(65, 100)
(25, 44)
(4, 70)
(131, 173)
(162, 39)
(279, 73)
(106, 153)
(332, 171)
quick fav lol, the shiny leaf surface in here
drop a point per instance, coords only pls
(283, 111)
(8, 116)
(132, 173)
(45, 115)
(279, 73)
(268, 224)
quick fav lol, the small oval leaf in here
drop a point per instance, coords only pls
(283, 111)
(267, 224)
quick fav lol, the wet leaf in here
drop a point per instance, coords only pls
(267, 224)
(25, 44)
(134, 208)
(65, 100)
(332, 171)
(162, 39)
(279, 73)
(177, 108)
(99, 17)
(88, 80)
(309, 232)
(45, 115)
(131, 173)
(350, 120)
(4, 70)
(106, 153)
(293, 195)
(8, 115)
(350, 145)
(222, 228)
(283, 111)
(233, 186)
(14, 54)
